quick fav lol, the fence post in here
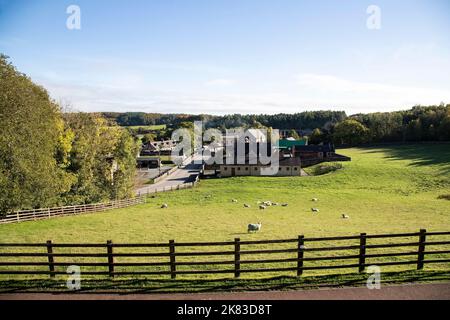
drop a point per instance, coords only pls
(237, 257)
(173, 267)
(300, 254)
(49, 212)
(51, 261)
(421, 250)
(362, 252)
(17, 216)
(109, 246)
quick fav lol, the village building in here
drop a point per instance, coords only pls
(154, 148)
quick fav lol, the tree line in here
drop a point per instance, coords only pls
(51, 158)
(420, 123)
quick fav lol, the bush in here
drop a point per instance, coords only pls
(326, 168)
(444, 196)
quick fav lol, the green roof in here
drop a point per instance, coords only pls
(284, 143)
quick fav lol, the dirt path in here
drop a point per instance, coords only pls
(440, 291)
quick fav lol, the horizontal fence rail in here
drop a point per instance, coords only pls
(229, 257)
(47, 213)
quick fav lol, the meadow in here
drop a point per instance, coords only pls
(383, 190)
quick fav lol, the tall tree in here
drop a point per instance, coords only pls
(30, 136)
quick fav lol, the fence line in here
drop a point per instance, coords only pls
(47, 213)
(172, 254)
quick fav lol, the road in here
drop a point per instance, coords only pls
(181, 175)
(435, 291)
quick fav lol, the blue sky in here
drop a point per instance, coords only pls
(232, 56)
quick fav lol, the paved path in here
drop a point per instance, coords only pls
(179, 176)
(436, 291)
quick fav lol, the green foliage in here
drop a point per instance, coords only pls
(47, 159)
(294, 134)
(30, 136)
(350, 132)
(316, 136)
(148, 137)
(102, 158)
(324, 168)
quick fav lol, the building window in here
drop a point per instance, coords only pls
(256, 168)
(246, 168)
(225, 169)
(239, 168)
(295, 168)
(287, 168)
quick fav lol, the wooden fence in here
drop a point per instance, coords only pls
(47, 213)
(114, 259)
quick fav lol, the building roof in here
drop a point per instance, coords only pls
(287, 143)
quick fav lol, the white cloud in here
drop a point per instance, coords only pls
(220, 83)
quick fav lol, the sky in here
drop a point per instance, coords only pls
(233, 56)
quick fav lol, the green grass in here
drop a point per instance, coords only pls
(149, 127)
(383, 190)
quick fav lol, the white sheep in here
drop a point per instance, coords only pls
(234, 200)
(246, 205)
(267, 203)
(284, 204)
(254, 227)
(314, 199)
(344, 216)
(262, 207)
(314, 210)
(164, 205)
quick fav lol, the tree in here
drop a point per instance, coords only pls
(294, 134)
(350, 132)
(148, 137)
(316, 136)
(31, 133)
(103, 159)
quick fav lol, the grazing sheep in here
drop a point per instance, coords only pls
(262, 207)
(314, 199)
(246, 205)
(234, 200)
(275, 203)
(284, 204)
(267, 203)
(344, 216)
(164, 205)
(254, 227)
(314, 210)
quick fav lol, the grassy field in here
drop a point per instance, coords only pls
(149, 127)
(383, 190)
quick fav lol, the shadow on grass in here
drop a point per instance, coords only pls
(418, 154)
(145, 286)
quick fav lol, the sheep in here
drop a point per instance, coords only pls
(314, 199)
(164, 205)
(344, 216)
(314, 210)
(267, 203)
(246, 205)
(262, 207)
(254, 227)
(284, 204)
(274, 203)
(234, 200)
